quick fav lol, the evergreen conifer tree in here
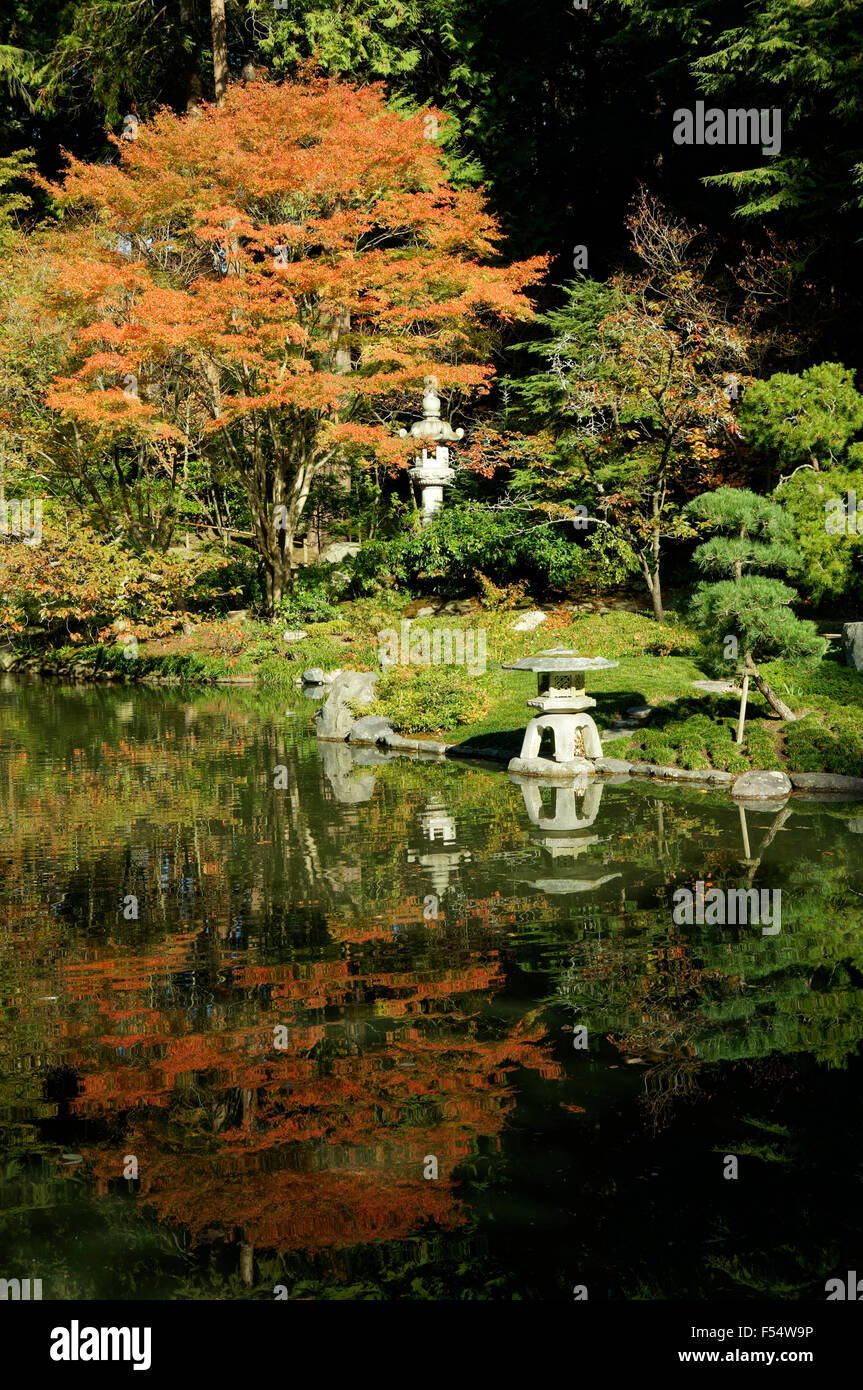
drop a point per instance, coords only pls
(749, 613)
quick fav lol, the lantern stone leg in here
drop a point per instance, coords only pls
(567, 730)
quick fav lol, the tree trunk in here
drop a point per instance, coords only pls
(650, 563)
(654, 586)
(194, 93)
(220, 49)
(770, 695)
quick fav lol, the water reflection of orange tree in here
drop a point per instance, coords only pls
(320, 1145)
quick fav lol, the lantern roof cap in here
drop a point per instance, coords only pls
(559, 659)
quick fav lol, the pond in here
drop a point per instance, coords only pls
(280, 1020)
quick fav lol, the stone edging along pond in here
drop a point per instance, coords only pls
(337, 721)
(763, 790)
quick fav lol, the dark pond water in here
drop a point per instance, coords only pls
(253, 992)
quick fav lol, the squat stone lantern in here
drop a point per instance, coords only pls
(431, 471)
(562, 703)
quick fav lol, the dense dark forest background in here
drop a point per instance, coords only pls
(560, 111)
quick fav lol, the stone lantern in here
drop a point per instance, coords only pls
(562, 703)
(431, 471)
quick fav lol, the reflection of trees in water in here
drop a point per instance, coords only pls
(261, 906)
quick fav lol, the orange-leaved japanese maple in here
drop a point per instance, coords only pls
(277, 274)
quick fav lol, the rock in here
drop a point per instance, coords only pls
(426, 612)
(626, 725)
(314, 675)
(546, 767)
(338, 552)
(294, 635)
(8, 659)
(639, 711)
(717, 687)
(608, 735)
(237, 615)
(371, 728)
(827, 782)
(761, 786)
(852, 634)
(528, 621)
(460, 606)
(855, 825)
(336, 717)
(617, 766)
(414, 745)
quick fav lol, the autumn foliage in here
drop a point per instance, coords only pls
(276, 275)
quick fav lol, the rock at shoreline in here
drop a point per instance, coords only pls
(827, 782)
(371, 728)
(546, 767)
(761, 786)
(336, 718)
(612, 765)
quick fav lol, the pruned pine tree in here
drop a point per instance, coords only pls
(749, 613)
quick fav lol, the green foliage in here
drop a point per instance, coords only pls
(425, 699)
(828, 563)
(505, 546)
(702, 740)
(309, 599)
(803, 58)
(800, 418)
(751, 608)
(831, 742)
(760, 536)
(757, 612)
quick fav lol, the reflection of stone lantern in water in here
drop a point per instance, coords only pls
(431, 469)
(562, 702)
(559, 831)
(442, 858)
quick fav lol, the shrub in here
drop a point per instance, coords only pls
(309, 600)
(464, 543)
(425, 699)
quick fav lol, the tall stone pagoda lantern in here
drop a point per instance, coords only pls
(431, 469)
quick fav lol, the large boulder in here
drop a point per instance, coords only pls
(351, 690)
(852, 634)
(761, 786)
